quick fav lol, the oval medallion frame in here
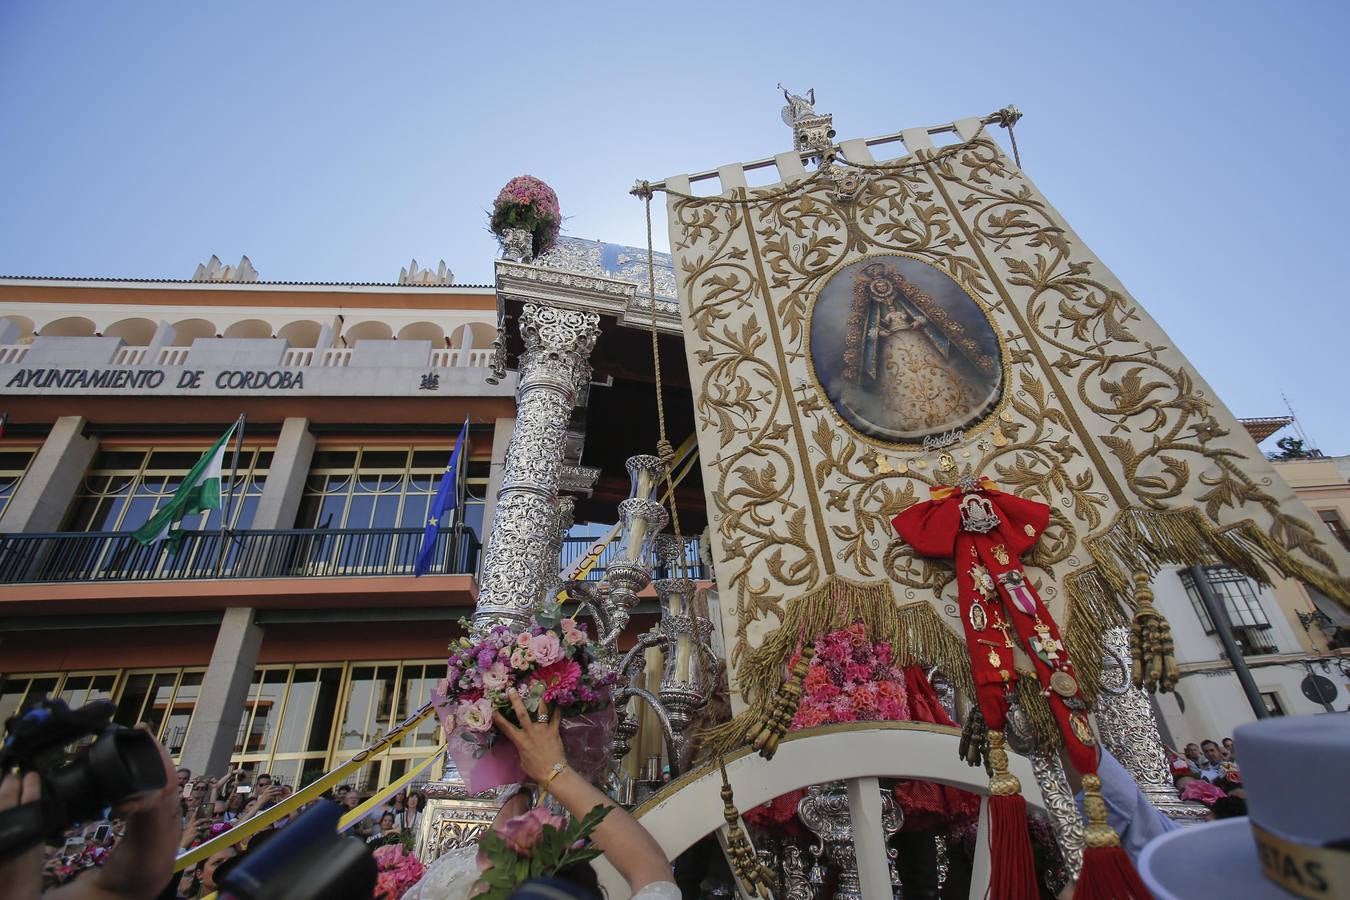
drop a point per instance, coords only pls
(906, 352)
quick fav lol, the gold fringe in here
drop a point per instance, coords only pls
(1101, 596)
(916, 632)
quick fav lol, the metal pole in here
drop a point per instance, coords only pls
(1223, 627)
(229, 491)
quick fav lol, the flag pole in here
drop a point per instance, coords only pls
(229, 491)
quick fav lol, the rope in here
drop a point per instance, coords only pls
(664, 451)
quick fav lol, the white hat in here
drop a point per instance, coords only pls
(1295, 841)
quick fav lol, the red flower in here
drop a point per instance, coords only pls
(559, 679)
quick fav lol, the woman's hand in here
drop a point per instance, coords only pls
(537, 740)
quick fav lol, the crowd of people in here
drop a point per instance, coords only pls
(210, 806)
(1208, 773)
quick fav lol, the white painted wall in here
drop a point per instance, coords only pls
(1213, 699)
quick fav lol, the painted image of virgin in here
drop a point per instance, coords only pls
(902, 352)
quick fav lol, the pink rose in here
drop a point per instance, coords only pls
(497, 677)
(524, 831)
(477, 716)
(523, 639)
(546, 648)
(521, 658)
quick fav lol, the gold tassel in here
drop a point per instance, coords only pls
(1143, 541)
(770, 731)
(1002, 783)
(974, 746)
(755, 878)
(1153, 667)
(1098, 832)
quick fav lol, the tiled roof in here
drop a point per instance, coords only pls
(1260, 429)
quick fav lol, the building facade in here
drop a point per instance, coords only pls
(1293, 639)
(297, 635)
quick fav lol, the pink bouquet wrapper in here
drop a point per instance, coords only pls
(586, 737)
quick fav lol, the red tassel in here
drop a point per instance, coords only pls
(1108, 874)
(1012, 867)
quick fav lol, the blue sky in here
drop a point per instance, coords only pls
(1197, 147)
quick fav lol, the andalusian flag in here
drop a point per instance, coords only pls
(199, 492)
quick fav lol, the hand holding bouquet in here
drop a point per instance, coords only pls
(549, 664)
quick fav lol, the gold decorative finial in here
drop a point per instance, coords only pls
(1153, 666)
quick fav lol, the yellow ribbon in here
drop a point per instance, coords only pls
(942, 491)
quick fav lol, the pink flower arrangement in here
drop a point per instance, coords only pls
(398, 871)
(850, 679)
(528, 203)
(548, 662)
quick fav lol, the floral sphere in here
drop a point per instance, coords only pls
(528, 203)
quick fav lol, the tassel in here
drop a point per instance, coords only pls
(1153, 666)
(974, 746)
(767, 734)
(1107, 872)
(754, 876)
(1012, 867)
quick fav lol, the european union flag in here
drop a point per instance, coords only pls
(446, 498)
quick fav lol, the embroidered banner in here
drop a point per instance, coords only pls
(861, 332)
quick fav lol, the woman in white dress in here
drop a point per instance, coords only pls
(626, 844)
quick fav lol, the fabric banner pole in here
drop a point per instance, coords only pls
(225, 524)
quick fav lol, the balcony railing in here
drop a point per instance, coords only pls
(280, 553)
(574, 548)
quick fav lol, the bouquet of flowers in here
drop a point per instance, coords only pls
(851, 679)
(398, 870)
(549, 662)
(528, 203)
(855, 679)
(534, 845)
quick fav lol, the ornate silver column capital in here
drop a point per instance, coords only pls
(1127, 728)
(524, 541)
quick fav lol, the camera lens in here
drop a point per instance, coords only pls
(126, 762)
(123, 762)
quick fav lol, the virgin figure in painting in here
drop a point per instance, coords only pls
(915, 357)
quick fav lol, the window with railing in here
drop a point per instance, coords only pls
(382, 487)
(1333, 521)
(1237, 592)
(13, 466)
(125, 486)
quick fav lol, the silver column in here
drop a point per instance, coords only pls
(1126, 725)
(558, 343)
(549, 575)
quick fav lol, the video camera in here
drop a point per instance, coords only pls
(121, 763)
(306, 860)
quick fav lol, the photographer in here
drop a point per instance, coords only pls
(140, 865)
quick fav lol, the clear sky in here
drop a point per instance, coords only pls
(1198, 148)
